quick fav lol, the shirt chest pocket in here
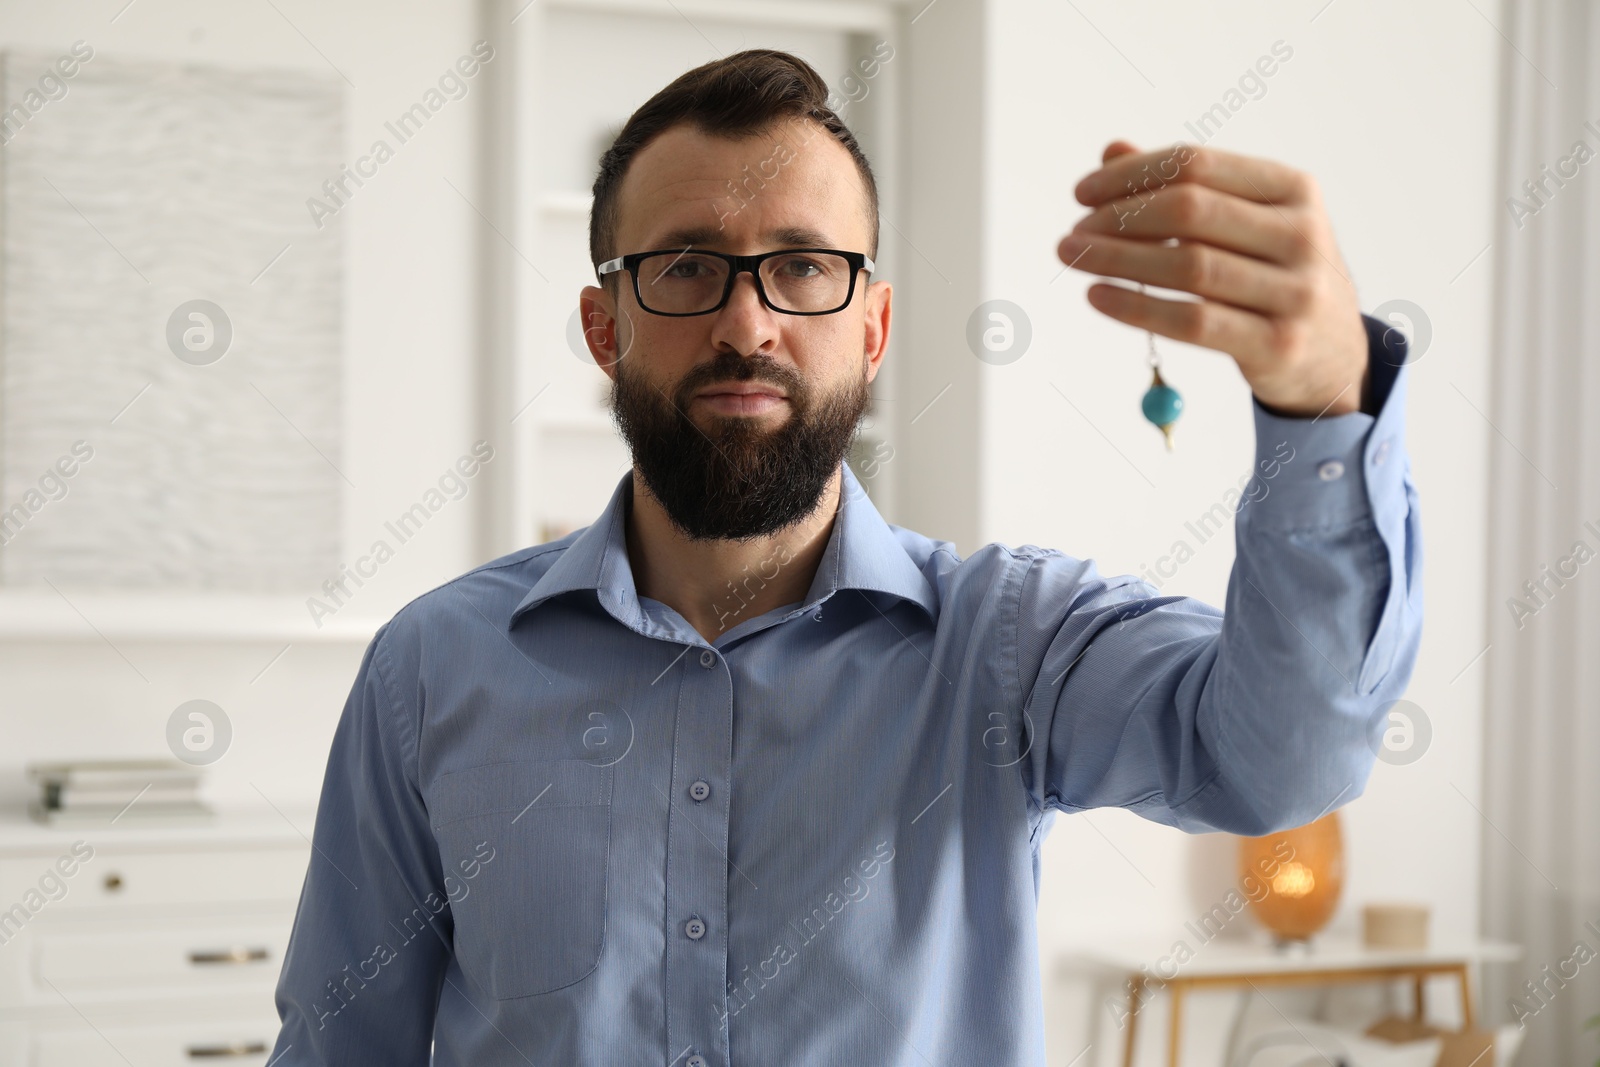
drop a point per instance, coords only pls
(531, 918)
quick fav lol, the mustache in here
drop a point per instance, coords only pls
(732, 367)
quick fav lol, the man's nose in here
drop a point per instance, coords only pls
(746, 291)
(745, 324)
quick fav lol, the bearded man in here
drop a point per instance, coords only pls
(740, 774)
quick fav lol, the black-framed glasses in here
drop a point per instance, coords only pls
(694, 281)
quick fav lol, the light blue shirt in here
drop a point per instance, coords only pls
(561, 828)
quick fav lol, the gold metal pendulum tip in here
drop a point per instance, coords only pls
(1166, 431)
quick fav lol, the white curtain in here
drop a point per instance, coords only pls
(1541, 837)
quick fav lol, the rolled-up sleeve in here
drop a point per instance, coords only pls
(361, 979)
(1268, 714)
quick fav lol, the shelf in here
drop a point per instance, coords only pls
(573, 423)
(565, 202)
(236, 825)
(83, 615)
(858, 16)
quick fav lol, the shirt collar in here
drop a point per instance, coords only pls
(863, 553)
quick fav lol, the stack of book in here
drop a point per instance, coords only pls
(104, 792)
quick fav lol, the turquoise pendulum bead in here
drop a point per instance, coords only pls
(1162, 403)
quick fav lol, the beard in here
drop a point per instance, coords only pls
(734, 479)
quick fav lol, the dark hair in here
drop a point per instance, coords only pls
(737, 96)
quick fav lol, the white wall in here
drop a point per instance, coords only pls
(409, 263)
(1391, 108)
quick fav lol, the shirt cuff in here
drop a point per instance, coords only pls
(1334, 470)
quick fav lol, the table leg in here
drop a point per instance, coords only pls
(1175, 1037)
(1419, 1000)
(1135, 999)
(1466, 998)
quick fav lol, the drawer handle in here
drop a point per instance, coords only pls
(238, 1048)
(113, 882)
(236, 954)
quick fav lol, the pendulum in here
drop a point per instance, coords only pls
(1162, 403)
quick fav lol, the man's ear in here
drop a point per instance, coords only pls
(875, 336)
(597, 313)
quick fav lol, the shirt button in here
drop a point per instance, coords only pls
(1330, 470)
(699, 790)
(695, 928)
(696, 1060)
(1380, 453)
(708, 658)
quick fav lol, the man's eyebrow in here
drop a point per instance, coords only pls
(708, 236)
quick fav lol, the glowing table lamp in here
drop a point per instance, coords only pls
(1302, 871)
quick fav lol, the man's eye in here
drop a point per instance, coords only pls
(801, 268)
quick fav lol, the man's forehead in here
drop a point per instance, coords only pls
(789, 235)
(791, 184)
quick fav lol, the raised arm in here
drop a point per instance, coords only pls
(1267, 715)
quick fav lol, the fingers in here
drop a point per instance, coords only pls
(1252, 239)
(1196, 213)
(1261, 180)
(1190, 267)
(1246, 336)
(1115, 149)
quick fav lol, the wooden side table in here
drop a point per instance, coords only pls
(1256, 965)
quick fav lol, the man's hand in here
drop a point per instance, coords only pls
(1250, 237)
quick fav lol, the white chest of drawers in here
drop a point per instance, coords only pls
(155, 947)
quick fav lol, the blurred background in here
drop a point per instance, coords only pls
(289, 337)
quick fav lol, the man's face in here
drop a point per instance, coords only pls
(738, 419)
